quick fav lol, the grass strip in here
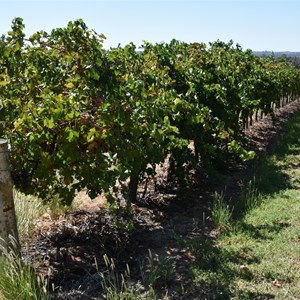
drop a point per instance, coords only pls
(258, 257)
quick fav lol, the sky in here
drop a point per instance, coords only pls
(271, 25)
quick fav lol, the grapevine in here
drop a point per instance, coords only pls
(78, 116)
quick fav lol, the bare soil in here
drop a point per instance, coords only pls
(69, 250)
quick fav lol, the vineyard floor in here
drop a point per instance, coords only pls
(69, 249)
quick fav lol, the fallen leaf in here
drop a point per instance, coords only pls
(76, 258)
(243, 267)
(245, 255)
(277, 283)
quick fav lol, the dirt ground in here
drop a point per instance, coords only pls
(69, 250)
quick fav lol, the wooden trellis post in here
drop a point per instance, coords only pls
(8, 222)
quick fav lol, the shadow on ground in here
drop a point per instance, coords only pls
(178, 232)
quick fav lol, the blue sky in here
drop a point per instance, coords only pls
(258, 25)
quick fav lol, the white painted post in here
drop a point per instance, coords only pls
(8, 222)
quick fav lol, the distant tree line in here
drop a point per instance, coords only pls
(292, 58)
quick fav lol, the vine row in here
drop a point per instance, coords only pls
(78, 116)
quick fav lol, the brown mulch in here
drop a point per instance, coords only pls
(69, 251)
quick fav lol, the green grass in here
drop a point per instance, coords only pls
(118, 286)
(159, 271)
(259, 257)
(18, 280)
(28, 209)
(221, 213)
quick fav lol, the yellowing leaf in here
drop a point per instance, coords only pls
(49, 123)
(70, 85)
(3, 83)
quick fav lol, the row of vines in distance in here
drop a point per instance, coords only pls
(78, 116)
